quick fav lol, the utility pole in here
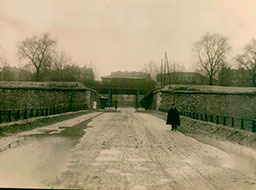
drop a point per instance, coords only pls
(168, 69)
(164, 71)
(161, 73)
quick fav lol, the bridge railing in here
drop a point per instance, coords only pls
(234, 122)
(19, 114)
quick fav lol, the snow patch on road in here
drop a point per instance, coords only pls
(108, 155)
(136, 159)
(139, 187)
(113, 171)
(11, 141)
(110, 151)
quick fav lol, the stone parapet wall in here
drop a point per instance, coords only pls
(238, 105)
(69, 95)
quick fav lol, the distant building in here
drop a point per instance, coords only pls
(132, 74)
(184, 78)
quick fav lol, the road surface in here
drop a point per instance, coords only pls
(124, 150)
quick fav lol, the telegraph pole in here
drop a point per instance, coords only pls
(164, 71)
(161, 73)
(168, 68)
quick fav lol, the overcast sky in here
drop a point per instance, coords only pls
(125, 34)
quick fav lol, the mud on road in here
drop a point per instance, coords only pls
(133, 151)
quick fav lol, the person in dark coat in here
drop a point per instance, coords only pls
(173, 118)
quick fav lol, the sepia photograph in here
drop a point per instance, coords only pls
(128, 94)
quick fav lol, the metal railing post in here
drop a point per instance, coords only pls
(9, 115)
(18, 115)
(25, 116)
(232, 122)
(224, 120)
(211, 118)
(31, 112)
(242, 124)
(253, 126)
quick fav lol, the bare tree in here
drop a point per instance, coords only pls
(1, 57)
(247, 59)
(59, 61)
(211, 52)
(38, 52)
(152, 69)
(3, 61)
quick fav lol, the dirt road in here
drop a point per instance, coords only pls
(137, 151)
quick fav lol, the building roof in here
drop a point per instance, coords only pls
(116, 77)
(127, 75)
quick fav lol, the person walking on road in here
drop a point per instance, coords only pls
(173, 118)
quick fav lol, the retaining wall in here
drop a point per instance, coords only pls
(27, 95)
(240, 103)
